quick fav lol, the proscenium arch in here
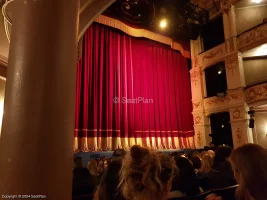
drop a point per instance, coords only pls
(89, 11)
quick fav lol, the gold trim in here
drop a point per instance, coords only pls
(148, 131)
(85, 144)
(142, 33)
(100, 130)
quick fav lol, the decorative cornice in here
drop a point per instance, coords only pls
(256, 94)
(212, 56)
(253, 37)
(142, 33)
(3, 61)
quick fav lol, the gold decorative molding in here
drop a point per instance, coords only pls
(198, 119)
(257, 93)
(253, 37)
(3, 61)
(238, 113)
(195, 76)
(197, 105)
(199, 139)
(142, 33)
(231, 99)
(231, 63)
(212, 56)
(225, 6)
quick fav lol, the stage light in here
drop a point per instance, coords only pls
(163, 23)
(256, 1)
(219, 72)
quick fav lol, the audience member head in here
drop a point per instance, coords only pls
(119, 153)
(101, 166)
(146, 175)
(203, 153)
(175, 154)
(108, 188)
(211, 153)
(249, 163)
(212, 145)
(196, 161)
(222, 154)
(186, 181)
(206, 163)
(92, 167)
(77, 161)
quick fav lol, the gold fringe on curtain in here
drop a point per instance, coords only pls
(86, 144)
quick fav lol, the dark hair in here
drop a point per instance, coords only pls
(221, 153)
(176, 153)
(196, 162)
(78, 161)
(119, 153)
(108, 189)
(186, 181)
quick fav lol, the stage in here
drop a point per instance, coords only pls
(87, 156)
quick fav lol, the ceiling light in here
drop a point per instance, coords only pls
(262, 50)
(256, 1)
(163, 23)
(219, 72)
(222, 126)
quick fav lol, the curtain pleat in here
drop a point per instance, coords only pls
(131, 91)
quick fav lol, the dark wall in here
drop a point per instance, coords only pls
(255, 70)
(249, 17)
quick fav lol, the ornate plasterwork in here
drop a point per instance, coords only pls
(256, 93)
(239, 137)
(199, 139)
(225, 5)
(216, 100)
(197, 105)
(231, 63)
(195, 76)
(253, 37)
(198, 119)
(231, 44)
(216, 104)
(213, 55)
(238, 113)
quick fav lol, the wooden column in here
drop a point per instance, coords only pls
(36, 146)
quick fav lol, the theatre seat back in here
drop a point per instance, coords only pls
(226, 193)
(83, 197)
(198, 197)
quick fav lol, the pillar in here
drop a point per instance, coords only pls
(241, 133)
(229, 24)
(235, 71)
(36, 146)
(201, 122)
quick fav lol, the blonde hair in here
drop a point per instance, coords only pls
(206, 163)
(249, 163)
(146, 175)
(92, 167)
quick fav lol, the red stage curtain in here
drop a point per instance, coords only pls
(152, 77)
